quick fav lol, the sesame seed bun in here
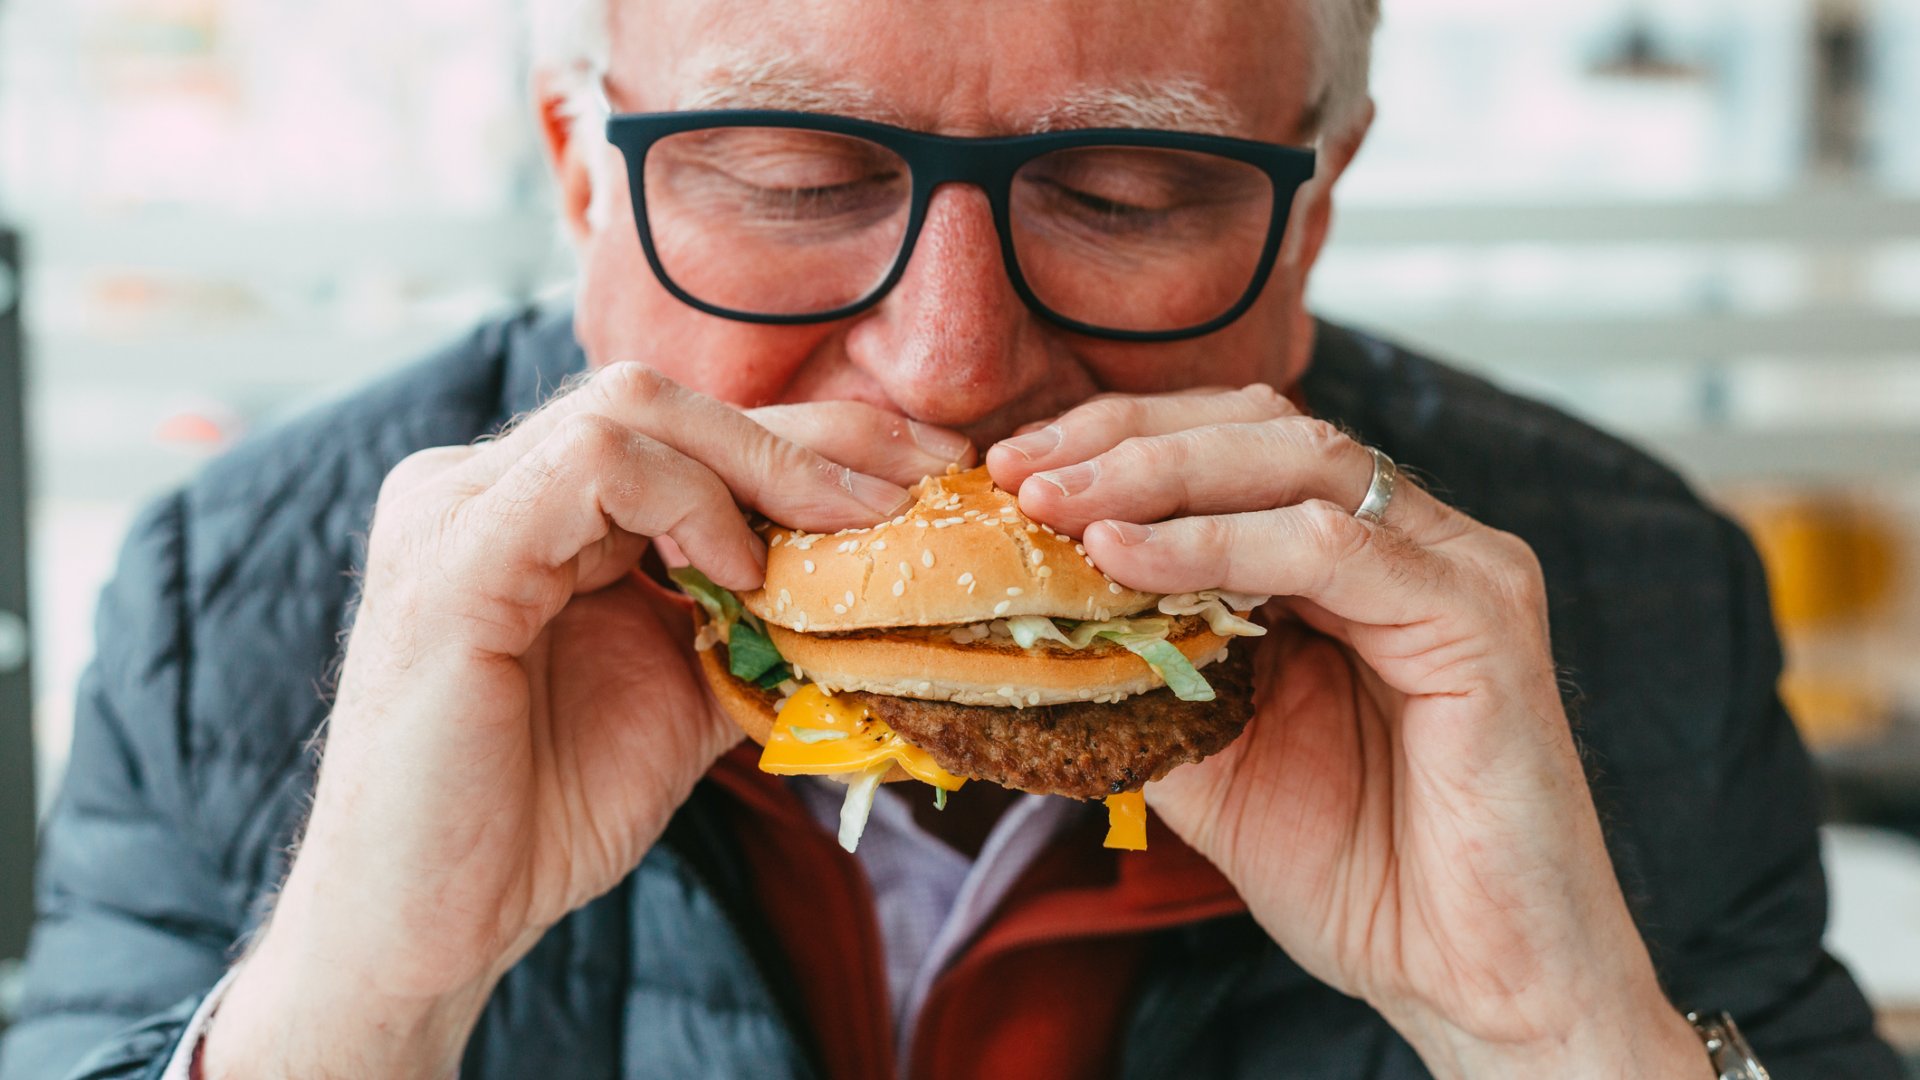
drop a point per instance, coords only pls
(962, 553)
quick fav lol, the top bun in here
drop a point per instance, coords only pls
(962, 553)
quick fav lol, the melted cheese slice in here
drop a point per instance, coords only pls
(1127, 821)
(818, 734)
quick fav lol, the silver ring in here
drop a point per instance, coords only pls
(1373, 508)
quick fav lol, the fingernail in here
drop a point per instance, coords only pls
(876, 494)
(1127, 533)
(941, 443)
(1034, 443)
(1073, 479)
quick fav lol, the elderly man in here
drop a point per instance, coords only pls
(1517, 796)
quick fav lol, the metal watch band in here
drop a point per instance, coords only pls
(1727, 1049)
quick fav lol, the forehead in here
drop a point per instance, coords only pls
(1239, 67)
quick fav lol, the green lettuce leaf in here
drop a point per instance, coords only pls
(1175, 669)
(751, 654)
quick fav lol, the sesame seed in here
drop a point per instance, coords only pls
(964, 579)
(1039, 556)
(1049, 530)
(849, 597)
(1114, 588)
(905, 570)
(1079, 549)
(1014, 590)
(839, 609)
(899, 587)
(925, 686)
(926, 558)
(970, 586)
(901, 520)
(1032, 528)
(785, 598)
(920, 524)
(808, 564)
(1001, 607)
(879, 545)
(799, 623)
(1045, 571)
(775, 542)
(1033, 697)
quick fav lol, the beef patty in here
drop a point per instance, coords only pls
(1081, 749)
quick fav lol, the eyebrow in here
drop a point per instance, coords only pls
(731, 80)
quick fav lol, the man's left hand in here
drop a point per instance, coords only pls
(1406, 814)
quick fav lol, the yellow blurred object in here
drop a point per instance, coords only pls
(1830, 711)
(1829, 560)
(1832, 563)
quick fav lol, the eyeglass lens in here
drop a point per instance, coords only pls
(786, 221)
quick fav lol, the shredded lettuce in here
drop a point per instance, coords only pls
(811, 735)
(1080, 635)
(1028, 629)
(1173, 666)
(853, 812)
(1218, 609)
(939, 798)
(722, 606)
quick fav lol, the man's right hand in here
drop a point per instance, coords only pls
(518, 714)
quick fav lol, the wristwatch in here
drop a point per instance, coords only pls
(1727, 1049)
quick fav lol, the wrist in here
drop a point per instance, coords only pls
(294, 1010)
(1648, 1037)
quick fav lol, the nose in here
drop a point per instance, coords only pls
(952, 343)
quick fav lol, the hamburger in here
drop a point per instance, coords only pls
(962, 641)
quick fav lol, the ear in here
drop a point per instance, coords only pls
(565, 158)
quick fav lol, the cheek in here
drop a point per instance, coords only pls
(1254, 348)
(621, 312)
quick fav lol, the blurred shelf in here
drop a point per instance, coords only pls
(504, 248)
(1789, 455)
(269, 357)
(1545, 343)
(1815, 219)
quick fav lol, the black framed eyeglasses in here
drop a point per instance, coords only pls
(786, 217)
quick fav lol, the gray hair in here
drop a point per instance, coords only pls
(571, 46)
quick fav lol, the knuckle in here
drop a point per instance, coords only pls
(1116, 413)
(591, 439)
(1321, 438)
(1334, 529)
(631, 383)
(1267, 398)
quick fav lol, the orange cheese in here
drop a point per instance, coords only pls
(1127, 821)
(818, 734)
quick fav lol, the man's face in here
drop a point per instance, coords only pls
(952, 344)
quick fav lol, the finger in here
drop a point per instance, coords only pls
(788, 482)
(1218, 469)
(588, 479)
(1185, 391)
(1101, 424)
(420, 467)
(868, 439)
(1364, 573)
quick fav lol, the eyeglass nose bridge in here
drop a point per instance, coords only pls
(934, 162)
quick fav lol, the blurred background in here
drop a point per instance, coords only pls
(1696, 222)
